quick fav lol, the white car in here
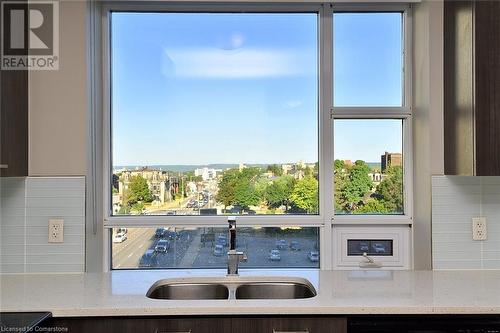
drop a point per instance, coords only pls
(162, 246)
(219, 250)
(275, 255)
(379, 248)
(119, 238)
(313, 256)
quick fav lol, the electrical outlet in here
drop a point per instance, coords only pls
(479, 231)
(56, 231)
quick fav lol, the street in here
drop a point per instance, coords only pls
(188, 250)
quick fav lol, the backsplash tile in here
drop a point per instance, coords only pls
(455, 201)
(12, 225)
(26, 207)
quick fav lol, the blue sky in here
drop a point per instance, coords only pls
(242, 88)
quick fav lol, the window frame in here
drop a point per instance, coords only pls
(403, 113)
(326, 218)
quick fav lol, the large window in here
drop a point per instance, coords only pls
(214, 113)
(206, 247)
(287, 117)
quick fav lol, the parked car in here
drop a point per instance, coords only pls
(222, 240)
(235, 210)
(121, 231)
(378, 248)
(171, 235)
(148, 259)
(295, 246)
(363, 247)
(192, 204)
(313, 256)
(218, 250)
(119, 238)
(162, 246)
(159, 232)
(281, 244)
(275, 255)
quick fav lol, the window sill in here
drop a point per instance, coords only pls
(372, 220)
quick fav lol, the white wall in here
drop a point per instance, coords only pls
(58, 102)
(428, 139)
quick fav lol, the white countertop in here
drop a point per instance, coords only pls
(122, 293)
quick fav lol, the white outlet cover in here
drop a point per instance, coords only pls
(479, 230)
(56, 230)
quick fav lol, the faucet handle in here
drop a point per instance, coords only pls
(243, 257)
(232, 232)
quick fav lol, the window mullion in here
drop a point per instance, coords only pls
(326, 133)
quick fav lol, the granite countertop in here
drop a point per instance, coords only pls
(122, 293)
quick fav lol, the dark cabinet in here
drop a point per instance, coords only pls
(279, 324)
(13, 123)
(289, 325)
(271, 324)
(424, 324)
(472, 87)
(141, 325)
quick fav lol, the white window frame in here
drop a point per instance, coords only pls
(326, 114)
(403, 113)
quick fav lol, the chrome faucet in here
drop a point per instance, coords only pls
(233, 257)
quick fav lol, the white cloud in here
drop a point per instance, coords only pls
(236, 64)
(293, 104)
(232, 41)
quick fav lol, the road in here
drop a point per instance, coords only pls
(188, 251)
(128, 253)
(182, 209)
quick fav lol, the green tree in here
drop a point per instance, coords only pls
(316, 168)
(124, 210)
(261, 185)
(115, 182)
(275, 169)
(339, 165)
(308, 172)
(226, 186)
(279, 192)
(340, 174)
(251, 173)
(390, 189)
(245, 193)
(138, 191)
(358, 185)
(239, 187)
(372, 206)
(305, 195)
(138, 207)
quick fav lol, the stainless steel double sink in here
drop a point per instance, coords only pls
(232, 288)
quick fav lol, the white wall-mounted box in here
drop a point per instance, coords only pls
(400, 258)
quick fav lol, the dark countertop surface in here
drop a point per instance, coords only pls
(21, 321)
